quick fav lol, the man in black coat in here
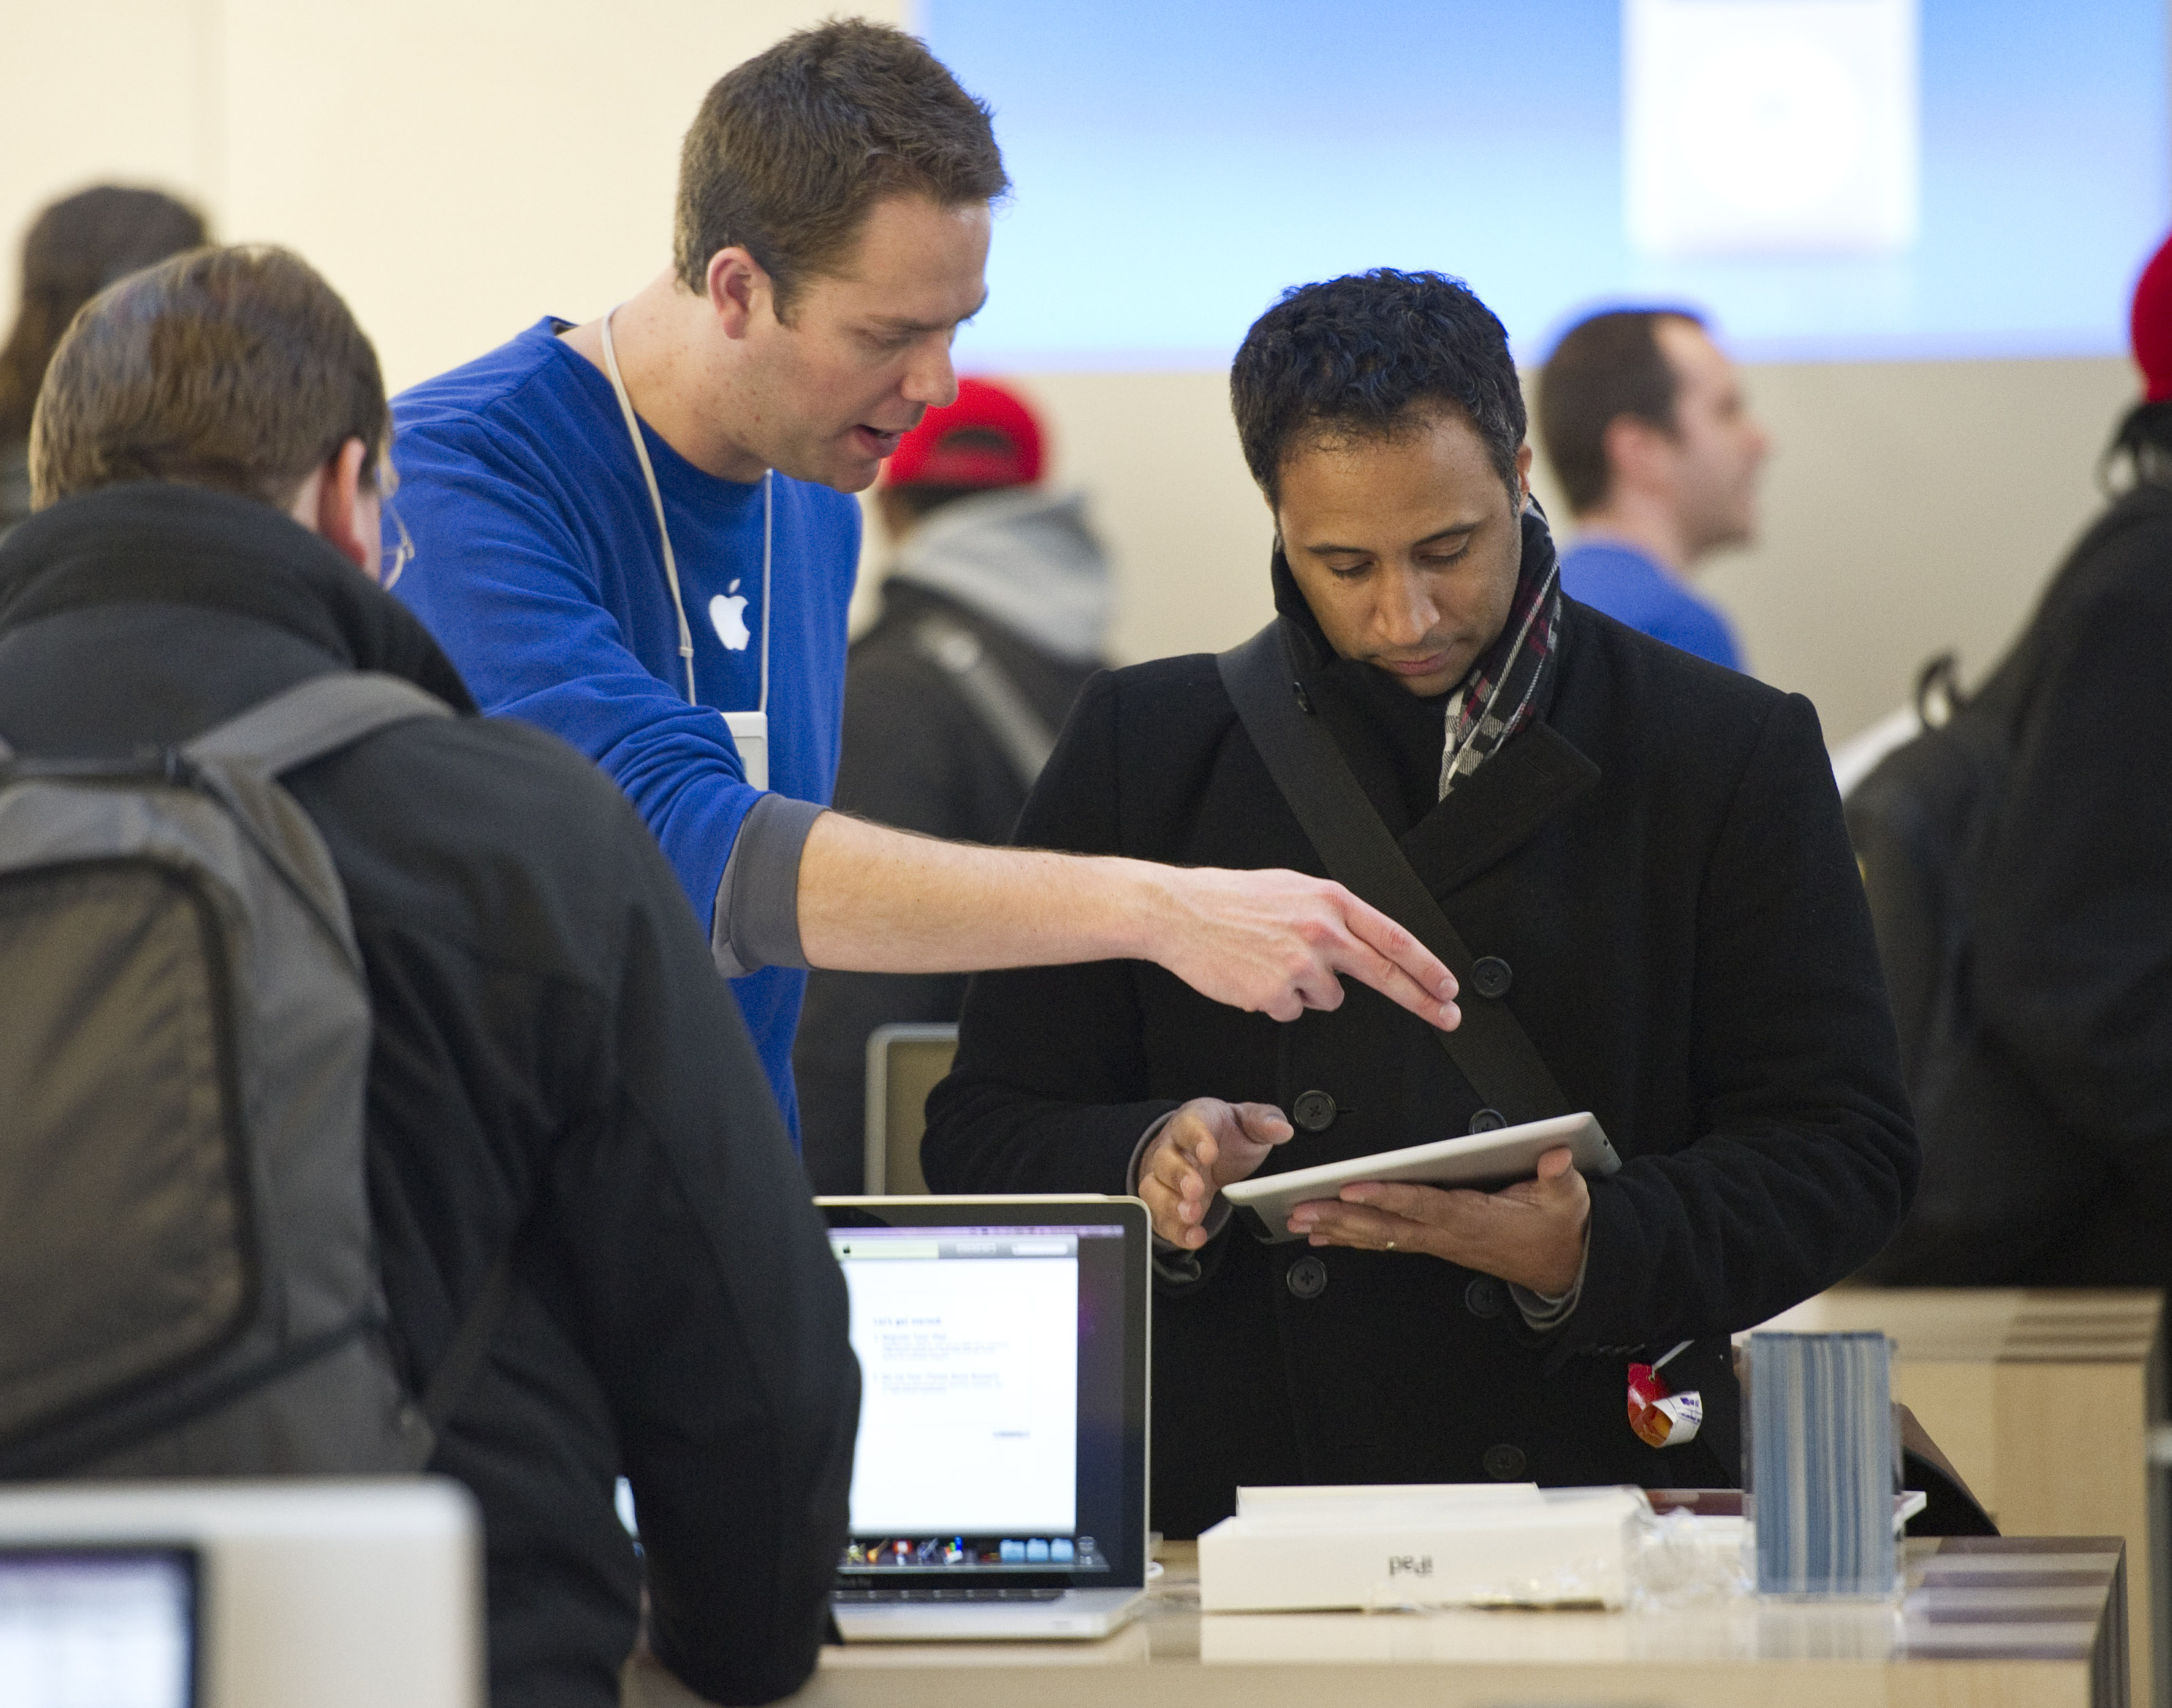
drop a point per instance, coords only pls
(553, 1052)
(1648, 848)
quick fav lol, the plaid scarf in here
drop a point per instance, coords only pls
(1495, 699)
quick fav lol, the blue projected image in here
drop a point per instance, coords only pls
(1831, 179)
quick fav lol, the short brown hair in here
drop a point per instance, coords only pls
(238, 369)
(792, 149)
(1604, 368)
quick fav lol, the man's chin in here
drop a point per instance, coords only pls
(839, 469)
(1428, 686)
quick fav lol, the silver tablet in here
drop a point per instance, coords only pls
(1482, 1160)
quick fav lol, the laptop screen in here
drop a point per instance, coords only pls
(98, 1628)
(1001, 1390)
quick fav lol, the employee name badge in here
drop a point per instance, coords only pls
(750, 735)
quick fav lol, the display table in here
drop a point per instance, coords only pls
(2044, 1399)
(1985, 1624)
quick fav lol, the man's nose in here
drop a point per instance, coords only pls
(930, 381)
(1405, 615)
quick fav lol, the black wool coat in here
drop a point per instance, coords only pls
(1661, 860)
(2047, 1136)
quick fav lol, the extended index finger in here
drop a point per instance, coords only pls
(1387, 957)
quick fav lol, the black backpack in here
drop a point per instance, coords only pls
(188, 1275)
(1922, 824)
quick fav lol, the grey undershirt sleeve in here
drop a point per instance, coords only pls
(1542, 1312)
(758, 897)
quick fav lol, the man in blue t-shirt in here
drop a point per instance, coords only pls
(636, 532)
(1646, 427)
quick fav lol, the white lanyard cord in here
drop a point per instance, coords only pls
(663, 532)
(656, 497)
(768, 531)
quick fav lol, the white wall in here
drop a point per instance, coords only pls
(1909, 507)
(457, 168)
(460, 167)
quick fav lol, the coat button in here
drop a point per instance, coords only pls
(1307, 1278)
(1314, 1110)
(1505, 1463)
(1482, 1297)
(1492, 976)
(1487, 1120)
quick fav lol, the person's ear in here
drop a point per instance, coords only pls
(739, 287)
(1635, 452)
(1523, 476)
(342, 513)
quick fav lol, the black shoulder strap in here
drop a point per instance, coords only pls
(1491, 1047)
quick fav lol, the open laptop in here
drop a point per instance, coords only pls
(999, 1485)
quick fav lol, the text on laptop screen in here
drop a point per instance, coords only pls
(97, 1628)
(990, 1407)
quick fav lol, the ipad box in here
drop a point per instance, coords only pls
(1420, 1544)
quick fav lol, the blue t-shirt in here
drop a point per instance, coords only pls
(537, 567)
(1630, 587)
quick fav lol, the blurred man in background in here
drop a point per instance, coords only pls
(993, 617)
(73, 250)
(1647, 431)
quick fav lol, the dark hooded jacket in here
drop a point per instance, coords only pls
(1660, 858)
(2047, 1122)
(554, 1054)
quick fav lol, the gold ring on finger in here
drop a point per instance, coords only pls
(1391, 1245)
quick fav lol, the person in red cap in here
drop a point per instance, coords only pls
(994, 613)
(2039, 1043)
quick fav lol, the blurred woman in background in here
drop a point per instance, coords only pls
(75, 249)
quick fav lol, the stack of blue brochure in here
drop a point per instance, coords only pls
(1823, 1468)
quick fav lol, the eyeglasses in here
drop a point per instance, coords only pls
(395, 559)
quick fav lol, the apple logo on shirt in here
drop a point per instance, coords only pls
(729, 616)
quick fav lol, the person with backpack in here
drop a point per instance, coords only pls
(308, 963)
(1632, 860)
(2018, 860)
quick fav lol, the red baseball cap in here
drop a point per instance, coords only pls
(988, 438)
(2151, 324)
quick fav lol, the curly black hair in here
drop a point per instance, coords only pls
(1372, 355)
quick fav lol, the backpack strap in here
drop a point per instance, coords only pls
(999, 704)
(1491, 1048)
(305, 723)
(312, 719)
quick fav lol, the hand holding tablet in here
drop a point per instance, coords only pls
(1482, 1160)
(1450, 1202)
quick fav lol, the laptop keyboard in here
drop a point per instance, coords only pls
(961, 1592)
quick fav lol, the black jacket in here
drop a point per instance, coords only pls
(2047, 1142)
(553, 1046)
(915, 755)
(1661, 861)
